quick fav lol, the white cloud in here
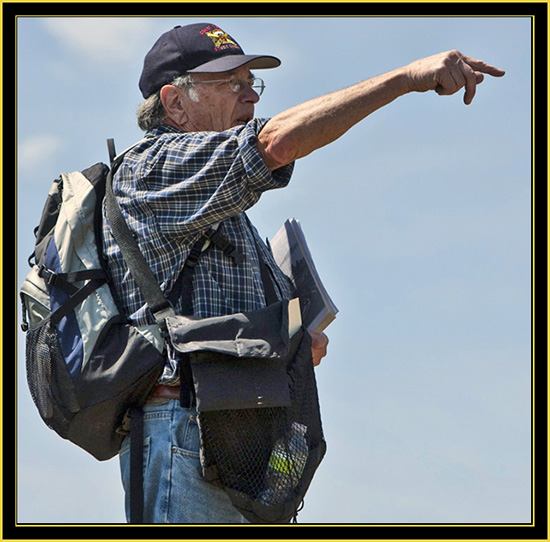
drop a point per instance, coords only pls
(37, 150)
(97, 38)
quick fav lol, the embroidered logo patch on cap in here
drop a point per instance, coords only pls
(220, 39)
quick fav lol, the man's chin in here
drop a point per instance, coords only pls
(241, 122)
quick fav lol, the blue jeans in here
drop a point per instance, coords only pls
(174, 491)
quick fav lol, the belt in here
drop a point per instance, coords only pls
(162, 391)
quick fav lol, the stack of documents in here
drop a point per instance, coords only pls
(292, 254)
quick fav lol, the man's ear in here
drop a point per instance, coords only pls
(172, 101)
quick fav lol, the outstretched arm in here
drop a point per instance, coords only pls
(300, 130)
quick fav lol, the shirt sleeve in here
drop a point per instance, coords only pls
(189, 181)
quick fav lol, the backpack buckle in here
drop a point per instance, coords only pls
(49, 276)
(225, 245)
(160, 313)
(193, 256)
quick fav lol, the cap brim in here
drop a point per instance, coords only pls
(232, 62)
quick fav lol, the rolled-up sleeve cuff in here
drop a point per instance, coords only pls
(258, 175)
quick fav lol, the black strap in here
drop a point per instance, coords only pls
(65, 280)
(183, 287)
(183, 290)
(223, 243)
(265, 272)
(136, 465)
(267, 279)
(77, 298)
(187, 389)
(111, 149)
(141, 272)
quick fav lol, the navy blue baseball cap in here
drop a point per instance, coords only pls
(195, 48)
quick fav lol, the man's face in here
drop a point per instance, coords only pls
(219, 107)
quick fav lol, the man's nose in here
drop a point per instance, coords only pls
(248, 94)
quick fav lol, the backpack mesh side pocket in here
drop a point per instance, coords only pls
(48, 378)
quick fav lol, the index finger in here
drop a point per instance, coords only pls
(483, 67)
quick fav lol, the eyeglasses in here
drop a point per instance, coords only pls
(236, 84)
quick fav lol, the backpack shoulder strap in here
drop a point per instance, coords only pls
(265, 272)
(144, 277)
(112, 150)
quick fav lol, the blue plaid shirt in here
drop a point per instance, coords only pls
(171, 188)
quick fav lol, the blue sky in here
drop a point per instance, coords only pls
(419, 219)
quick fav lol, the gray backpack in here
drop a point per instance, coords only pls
(86, 365)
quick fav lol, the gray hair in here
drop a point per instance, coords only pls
(151, 113)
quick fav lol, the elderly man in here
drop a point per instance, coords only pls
(206, 159)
